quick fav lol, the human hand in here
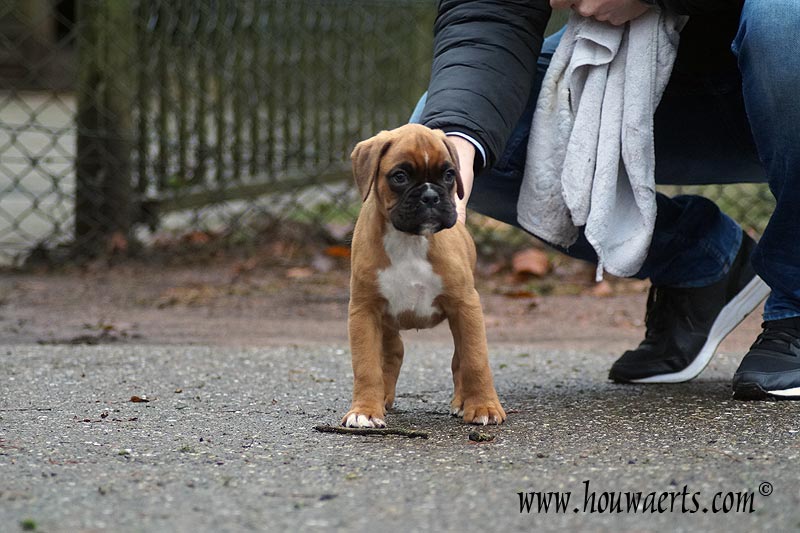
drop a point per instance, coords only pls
(466, 161)
(616, 12)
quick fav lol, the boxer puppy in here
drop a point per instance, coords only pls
(412, 267)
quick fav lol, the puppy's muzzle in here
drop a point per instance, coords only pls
(425, 209)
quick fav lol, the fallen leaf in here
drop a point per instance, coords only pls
(140, 399)
(197, 237)
(337, 251)
(194, 294)
(531, 261)
(520, 293)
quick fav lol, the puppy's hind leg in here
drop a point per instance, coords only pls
(392, 361)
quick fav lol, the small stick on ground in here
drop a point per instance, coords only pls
(411, 433)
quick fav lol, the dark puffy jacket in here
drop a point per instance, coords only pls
(485, 54)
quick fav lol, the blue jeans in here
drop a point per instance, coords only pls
(728, 128)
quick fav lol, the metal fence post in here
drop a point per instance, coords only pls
(103, 202)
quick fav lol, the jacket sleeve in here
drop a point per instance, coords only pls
(700, 7)
(484, 61)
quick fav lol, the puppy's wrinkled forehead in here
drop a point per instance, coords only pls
(422, 150)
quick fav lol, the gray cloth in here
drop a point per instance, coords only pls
(591, 157)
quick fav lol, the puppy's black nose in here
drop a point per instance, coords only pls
(430, 197)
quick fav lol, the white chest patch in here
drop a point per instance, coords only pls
(409, 283)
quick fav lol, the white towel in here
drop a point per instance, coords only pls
(591, 157)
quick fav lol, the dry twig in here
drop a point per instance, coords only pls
(411, 433)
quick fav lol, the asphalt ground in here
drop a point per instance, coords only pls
(226, 443)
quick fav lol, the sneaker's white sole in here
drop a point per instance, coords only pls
(754, 391)
(731, 315)
(787, 393)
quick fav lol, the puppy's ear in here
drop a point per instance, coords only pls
(451, 149)
(366, 159)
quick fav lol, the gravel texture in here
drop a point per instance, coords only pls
(225, 442)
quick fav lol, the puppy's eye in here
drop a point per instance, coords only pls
(449, 176)
(399, 178)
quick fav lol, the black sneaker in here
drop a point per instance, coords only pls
(685, 326)
(771, 369)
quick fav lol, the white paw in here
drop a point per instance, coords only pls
(356, 420)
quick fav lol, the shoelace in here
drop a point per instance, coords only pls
(662, 305)
(783, 336)
(773, 334)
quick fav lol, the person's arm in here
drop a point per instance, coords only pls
(621, 11)
(484, 61)
(700, 7)
(616, 12)
(466, 159)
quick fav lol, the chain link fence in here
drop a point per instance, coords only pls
(122, 120)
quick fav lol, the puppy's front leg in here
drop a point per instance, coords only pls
(474, 396)
(366, 339)
(392, 361)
